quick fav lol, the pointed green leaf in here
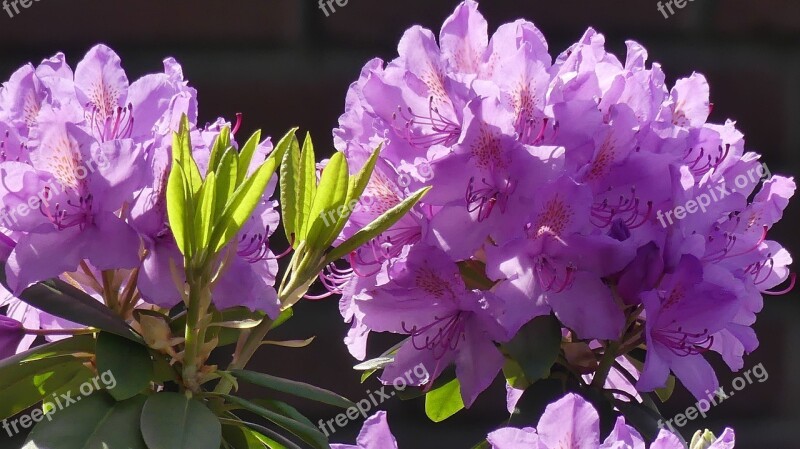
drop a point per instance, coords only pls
(173, 421)
(246, 155)
(308, 188)
(358, 183)
(329, 203)
(241, 207)
(536, 347)
(227, 175)
(378, 226)
(444, 401)
(182, 156)
(95, 422)
(35, 381)
(284, 409)
(222, 143)
(178, 210)
(241, 437)
(665, 393)
(291, 193)
(269, 437)
(128, 362)
(294, 388)
(284, 144)
(205, 212)
(309, 434)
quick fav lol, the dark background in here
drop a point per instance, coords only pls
(284, 63)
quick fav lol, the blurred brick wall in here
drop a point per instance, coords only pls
(284, 63)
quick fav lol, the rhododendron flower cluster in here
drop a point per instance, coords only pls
(84, 159)
(559, 186)
(571, 422)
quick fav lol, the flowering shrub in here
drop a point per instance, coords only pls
(578, 205)
(136, 243)
(569, 222)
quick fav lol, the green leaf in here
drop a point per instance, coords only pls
(444, 402)
(309, 434)
(82, 344)
(284, 409)
(536, 347)
(128, 362)
(283, 145)
(241, 207)
(241, 437)
(373, 229)
(294, 388)
(229, 336)
(291, 189)
(95, 422)
(358, 183)
(474, 274)
(182, 156)
(227, 175)
(282, 318)
(36, 381)
(28, 378)
(178, 210)
(222, 143)
(204, 215)
(308, 187)
(173, 421)
(514, 375)
(272, 439)
(328, 204)
(61, 299)
(665, 393)
(246, 155)
(642, 418)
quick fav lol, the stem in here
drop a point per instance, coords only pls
(58, 332)
(248, 350)
(95, 284)
(109, 294)
(606, 363)
(195, 330)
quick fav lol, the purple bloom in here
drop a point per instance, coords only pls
(569, 423)
(446, 322)
(580, 185)
(83, 161)
(375, 434)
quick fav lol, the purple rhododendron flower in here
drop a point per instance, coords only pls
(569, 423)
(84, 158)
(375, 434)
(581, 186)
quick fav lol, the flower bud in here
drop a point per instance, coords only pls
(11, 334)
